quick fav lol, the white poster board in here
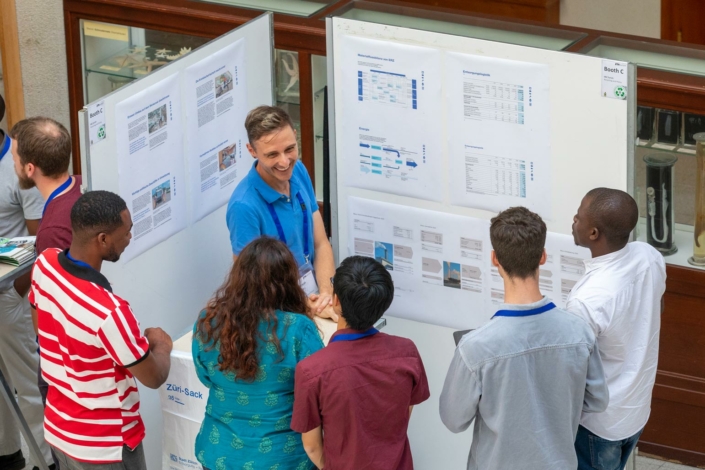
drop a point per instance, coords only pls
(576, 138)
(501, 125)
(168, 282)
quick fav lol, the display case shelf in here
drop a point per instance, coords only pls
(683, 237)
(304, 8)
(116, 54)
(680, 149)
(134, 63)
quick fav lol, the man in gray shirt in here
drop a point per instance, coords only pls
(20, 212)
(527, 375)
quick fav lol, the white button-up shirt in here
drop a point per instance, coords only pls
(620, 297)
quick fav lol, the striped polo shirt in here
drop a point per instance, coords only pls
(88, 337)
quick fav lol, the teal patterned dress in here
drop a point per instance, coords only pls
(246, 425)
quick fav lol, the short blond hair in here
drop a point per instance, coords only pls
(264, 120)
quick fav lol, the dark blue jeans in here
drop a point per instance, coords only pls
(596, 453)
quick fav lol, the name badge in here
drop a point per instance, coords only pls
(307, 279)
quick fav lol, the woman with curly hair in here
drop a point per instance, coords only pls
(246, 345)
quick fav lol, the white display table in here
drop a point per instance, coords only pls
(184, 398)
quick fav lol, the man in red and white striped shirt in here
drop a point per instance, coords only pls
(90, 343)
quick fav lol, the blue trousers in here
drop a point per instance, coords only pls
(596, 453)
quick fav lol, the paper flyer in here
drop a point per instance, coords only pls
(151, 164)
(499, 133)
(392, 97)
(215, 100)
(439, 262)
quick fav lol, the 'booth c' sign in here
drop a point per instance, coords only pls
(614, 79)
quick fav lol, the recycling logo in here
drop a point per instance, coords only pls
(101, 132)
(620, 92)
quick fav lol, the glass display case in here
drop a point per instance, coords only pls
(668, 133)
(319, 82)
(531, 35)
(287, 79)
(114, 55)
(650, 54)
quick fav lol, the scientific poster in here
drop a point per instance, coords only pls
(564, 267)
(391, 125)
(151, 164)
(215, 99)
(499, 133)
(439, 262)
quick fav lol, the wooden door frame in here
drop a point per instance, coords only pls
(11, 64)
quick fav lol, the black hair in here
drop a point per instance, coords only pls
(614, 213)
(97, 212)
(365, 290)
(518, 237)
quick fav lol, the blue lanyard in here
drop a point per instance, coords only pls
(525, 313)
(354, 336)
(280, 229)
(56, 192)
(5, 147)
(77, 262)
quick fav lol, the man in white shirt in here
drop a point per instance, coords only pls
(620, 297)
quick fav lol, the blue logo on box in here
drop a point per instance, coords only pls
(173, 458)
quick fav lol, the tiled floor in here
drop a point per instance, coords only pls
(643, 463)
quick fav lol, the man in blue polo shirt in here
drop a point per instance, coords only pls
(276, 198)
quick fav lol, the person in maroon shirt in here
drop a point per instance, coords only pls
(353, 399)
(41, 150)
(42, 153)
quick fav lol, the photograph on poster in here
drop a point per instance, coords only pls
(223, 84)
(157, 119)
(451, 274)
(384, 254)
(226, 157)
(161, 194)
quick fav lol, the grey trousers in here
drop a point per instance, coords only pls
(131, 460)
(19, 362)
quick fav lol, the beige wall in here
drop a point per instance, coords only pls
(40, 24)
(637, 17)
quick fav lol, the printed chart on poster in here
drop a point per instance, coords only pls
(393, 139)
(215, 99)
(499, 133)
(565, 265)
(441, 262)
(151, 164)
